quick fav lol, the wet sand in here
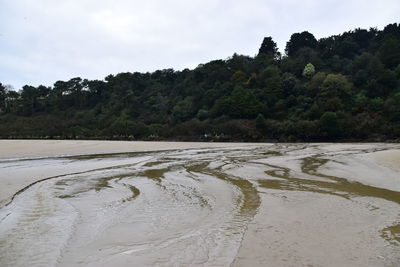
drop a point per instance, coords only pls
(200, 204)
(27, 169)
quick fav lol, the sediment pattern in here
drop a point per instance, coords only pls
(174, 208)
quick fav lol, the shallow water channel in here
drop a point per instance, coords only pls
(246, 206)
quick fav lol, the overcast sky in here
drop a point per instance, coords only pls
(42, 41)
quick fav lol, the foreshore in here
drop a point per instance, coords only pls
(290, 203)
(52, 148)
(14, 179)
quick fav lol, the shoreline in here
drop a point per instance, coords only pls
(37, 148)
(45, 148)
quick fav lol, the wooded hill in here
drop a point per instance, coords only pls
(341, 88)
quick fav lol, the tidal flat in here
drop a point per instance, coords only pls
(101, 203)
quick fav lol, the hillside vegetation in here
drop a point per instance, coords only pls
(341, 88)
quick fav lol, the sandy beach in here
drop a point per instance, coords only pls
(390, 159)
(91, 203)
(15, 179)
(52, 148)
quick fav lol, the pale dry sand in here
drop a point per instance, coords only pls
(51, 148)
(307, 229)
(380, 169)
(390, 159)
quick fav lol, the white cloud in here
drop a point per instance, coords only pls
(42, 41)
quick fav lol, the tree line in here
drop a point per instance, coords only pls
(341, 88)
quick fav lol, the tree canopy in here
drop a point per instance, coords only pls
(342, 87)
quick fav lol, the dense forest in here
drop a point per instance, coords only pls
(345, 87)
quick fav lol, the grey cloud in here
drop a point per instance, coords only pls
(43, 41)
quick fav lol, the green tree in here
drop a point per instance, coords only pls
(299, 40)
(3, 96)
(202, 114)
(335, 85)
(268, 47)
(330, 124)
(389, 52)
(182, 110)
(309, 70)
(361, 102)
(376, 104)
(29, 96)
(239, 77)
(240, 104)
(261, 122)
(316, 81)
(245, 105)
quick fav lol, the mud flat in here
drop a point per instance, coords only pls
(201, 205)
